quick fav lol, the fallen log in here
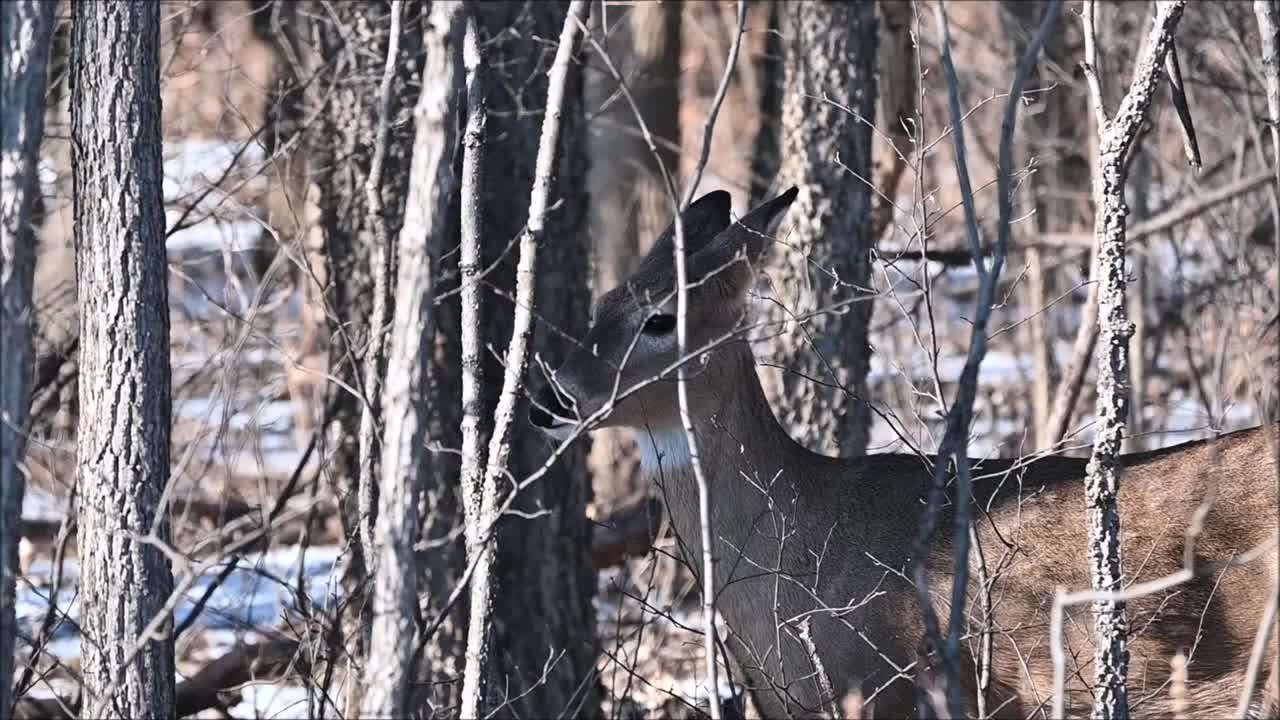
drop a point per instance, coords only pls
(213, 687)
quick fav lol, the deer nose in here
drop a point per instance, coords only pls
(546, 411)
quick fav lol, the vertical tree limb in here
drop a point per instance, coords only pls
(474, 435)
(381, 253)
(517, 354)
(1118, 135)
(710, 634)
(772, 73)
(898, 90)
(406, 467)
(26, 32)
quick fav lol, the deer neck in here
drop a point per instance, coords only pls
(741, 449)
(730, 416)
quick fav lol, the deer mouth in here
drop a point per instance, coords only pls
(548, 414)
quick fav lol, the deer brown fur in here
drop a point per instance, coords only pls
(800, 535)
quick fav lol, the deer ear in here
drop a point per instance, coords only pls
(705, 218)
(747, 239)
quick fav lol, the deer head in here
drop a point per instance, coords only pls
(632, 340)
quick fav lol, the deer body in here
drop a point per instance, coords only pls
(819, 547)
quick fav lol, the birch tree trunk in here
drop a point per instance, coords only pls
(26, 29)
(122, 463)
(545, 581)
(407, 468)
(829, 49)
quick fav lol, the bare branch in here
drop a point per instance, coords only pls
(710, 634)
(1178, 93)
(1266, 625)
(474, 438)
(381, 268)
(954, 447)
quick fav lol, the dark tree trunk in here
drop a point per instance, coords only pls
(829, 50)
(26, 28)
(772, 74)
(123, 449)
(542, 603)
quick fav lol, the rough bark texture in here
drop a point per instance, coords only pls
(1111, 654)
(26, 29)
(629, 206)
(543, 617)
(123, 450)
(821, 395)
(407, 468)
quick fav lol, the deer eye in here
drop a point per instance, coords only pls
(659, 324)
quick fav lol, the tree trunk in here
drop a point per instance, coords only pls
(821, 395)
(407, 467)
(123, 450)
(353, 40)
(26, 29)
(545, 581)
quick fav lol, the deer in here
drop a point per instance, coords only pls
(812, 553)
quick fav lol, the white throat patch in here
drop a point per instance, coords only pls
(662, 451)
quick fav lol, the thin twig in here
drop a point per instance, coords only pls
(710, 634)
(954, 443)
(1265, 625)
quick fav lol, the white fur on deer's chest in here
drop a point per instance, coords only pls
(663, 452)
